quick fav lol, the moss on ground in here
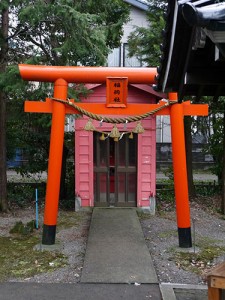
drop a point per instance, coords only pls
(19, 260)
(143, 215)
(69, 219)
(207, 250)
(168, 234)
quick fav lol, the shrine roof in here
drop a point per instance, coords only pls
(193, 50)
(137, 3)
(144, 87)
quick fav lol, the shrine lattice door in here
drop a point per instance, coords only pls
(115, 172)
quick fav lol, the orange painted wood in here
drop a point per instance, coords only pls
(85, 74)
(38, 106)
(179, 166)
(195, 109)
(131, 109)
(173, 96)
(116, 91)
(44, 107)
(55, 154)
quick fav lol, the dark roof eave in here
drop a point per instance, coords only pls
(180, 58)
(138, 4)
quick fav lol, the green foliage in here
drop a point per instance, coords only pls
(169, 173)
(165, 198)
(207, 190)
(20, 195)
(23, 229)
(165, 195)
(216, 138)
(23, 194)
(52, 32)
(145, 42)
(70, 32)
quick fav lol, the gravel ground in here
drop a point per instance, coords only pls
(72, 241)
(160, 232)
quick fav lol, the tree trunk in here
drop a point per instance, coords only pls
(63, 187)
(188, 144)
(3, 64)
(223, 174)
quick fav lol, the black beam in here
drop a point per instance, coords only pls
(204, 76)
(202, 16)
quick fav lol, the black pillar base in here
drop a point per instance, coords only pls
(48, 235)
(184, 236)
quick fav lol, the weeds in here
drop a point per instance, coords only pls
(200, 260)
(19, 260)
(22, 229)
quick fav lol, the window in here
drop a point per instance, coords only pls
(119, 58)
(114, 58)
(130, 61)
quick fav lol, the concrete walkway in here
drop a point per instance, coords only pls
(116, 250)
(87, 291)
(117, 266)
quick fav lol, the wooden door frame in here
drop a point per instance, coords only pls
(118, 170)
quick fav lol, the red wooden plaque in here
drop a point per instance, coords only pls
(116, 89)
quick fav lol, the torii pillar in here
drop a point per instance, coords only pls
(180, 173)
(54, 163)
(61, 76)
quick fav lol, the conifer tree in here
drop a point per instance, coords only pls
(50, 32)
(145, 42)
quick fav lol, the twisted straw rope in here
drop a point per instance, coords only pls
(114, 120)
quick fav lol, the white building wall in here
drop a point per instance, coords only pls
(69, 123)
(163, 130)
(119, 56)
(137, 19)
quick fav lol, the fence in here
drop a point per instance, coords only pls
(200, 159)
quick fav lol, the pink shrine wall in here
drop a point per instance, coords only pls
(146, 165)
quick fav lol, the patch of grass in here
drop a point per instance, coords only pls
(143, 215)
(22, 229)
(19, 260)
(204, 242)
(168, 233)
(68, 219)
(198, 262)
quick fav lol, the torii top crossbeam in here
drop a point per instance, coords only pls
(86, 74)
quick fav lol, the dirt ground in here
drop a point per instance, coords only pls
(173, 264)
(187, 266)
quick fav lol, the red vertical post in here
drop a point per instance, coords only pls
(54, 163)
(180, 173)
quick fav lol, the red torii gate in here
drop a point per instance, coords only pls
(61, 76)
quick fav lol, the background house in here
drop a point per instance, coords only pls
(119, 56)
